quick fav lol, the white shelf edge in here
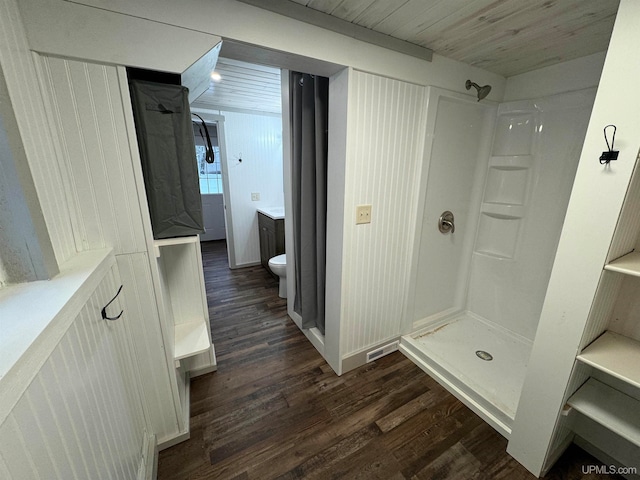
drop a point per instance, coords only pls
(610, 408)
(628, 264)
(165, 242)
(190, 339)
(616, 355)
(168, 242)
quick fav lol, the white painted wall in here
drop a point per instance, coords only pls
(584, 243)
(88, 33)
(563, 77)
(20, 255)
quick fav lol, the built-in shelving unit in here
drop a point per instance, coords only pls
(610, 408)
(190, 339)
(628, 264)
(180, 266)
(616, 355)
(605, 385)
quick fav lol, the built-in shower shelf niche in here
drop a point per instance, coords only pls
(503, 211)
(507, 180)
(498, 230)
(497, 235)
(511, 162)
(628, 264)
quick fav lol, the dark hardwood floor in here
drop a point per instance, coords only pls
(275, 410)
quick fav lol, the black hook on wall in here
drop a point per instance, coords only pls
(612, 154)
(104, 309)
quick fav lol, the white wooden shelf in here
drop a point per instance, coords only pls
(628, 264)
(616, 355)
(175, 241)
(168, 242)
(610, 408)
(190, 339)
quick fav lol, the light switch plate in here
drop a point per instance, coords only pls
(363, 214)
(255, 197)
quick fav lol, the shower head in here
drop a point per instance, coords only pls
(482, 91)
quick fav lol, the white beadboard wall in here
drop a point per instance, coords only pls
(81, 416)
(603, 304)
(84, 101)
(257, 139)
(20, 75)
(616, 303)
(140, 302)
(627, 236)
(86, 108)
(386, 134)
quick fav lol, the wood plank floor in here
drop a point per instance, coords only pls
(275, 410)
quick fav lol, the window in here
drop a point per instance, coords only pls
(209, 173)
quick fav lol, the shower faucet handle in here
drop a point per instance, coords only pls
(446, 223)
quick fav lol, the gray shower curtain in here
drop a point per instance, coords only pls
(309, 139)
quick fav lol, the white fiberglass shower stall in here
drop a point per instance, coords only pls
(505, 172)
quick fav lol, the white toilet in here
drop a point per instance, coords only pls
(278, 265)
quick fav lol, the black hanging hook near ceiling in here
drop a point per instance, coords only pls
(612, 154)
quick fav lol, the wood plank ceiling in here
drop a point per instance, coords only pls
(507, 37)
(242, 87)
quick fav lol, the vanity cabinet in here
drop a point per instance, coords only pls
(271, 233)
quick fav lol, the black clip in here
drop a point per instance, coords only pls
(612, 154)
(104, 309)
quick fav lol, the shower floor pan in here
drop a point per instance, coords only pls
(491, 388)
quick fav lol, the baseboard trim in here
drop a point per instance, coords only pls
(186, 415)
(358, 359)
(181, 437)
(202, 371)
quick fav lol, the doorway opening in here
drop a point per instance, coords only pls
(211, 185)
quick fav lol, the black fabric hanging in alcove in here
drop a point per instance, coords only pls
(168, 156)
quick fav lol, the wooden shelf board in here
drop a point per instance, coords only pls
(616, 355)
(628, 264)
(168, 242)
(164, 242)
(190, 339)
(610, 408)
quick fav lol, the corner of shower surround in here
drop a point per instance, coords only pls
(478, 291)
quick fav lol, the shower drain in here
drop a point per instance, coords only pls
(484, 355)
